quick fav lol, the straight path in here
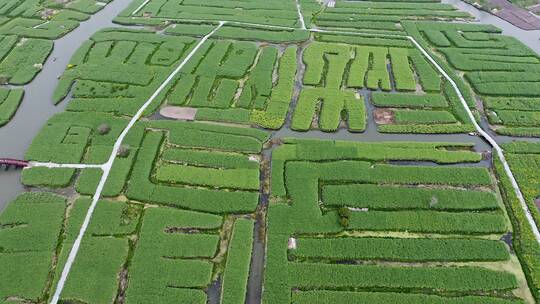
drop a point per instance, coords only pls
(108, 165)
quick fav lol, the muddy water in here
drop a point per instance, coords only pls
(37, 105)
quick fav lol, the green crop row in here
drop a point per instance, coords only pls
(382, 99)
(31, 226)
(319, 276)
(235, 277)
(396, 249)
(211, 159)
(9, 103)
(321, 150)
(395, 198)
(429, 222)
(347, 297)
(273, 117)
(107, 239)
(401, 69)
(402, 116)
(141, 187)
(21, 59)
(335, 105)
(242, 179)
(524, 241)
(212, 137)
(157, 279)
(282, 13)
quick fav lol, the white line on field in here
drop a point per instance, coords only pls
(300, 16)
(55, 165)
(107, 167)
(140, 7)
(488, 138)
(479, 129)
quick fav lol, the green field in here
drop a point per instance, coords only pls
(278, 182)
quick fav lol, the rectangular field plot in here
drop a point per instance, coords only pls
(238, 31)
(383, 15)
(236, 82)
(367, 229)
(30, 227)
(199, 167)
(501, 70)
(408, 94)
(524, 160)
(279, 13)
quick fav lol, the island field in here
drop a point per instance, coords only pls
(228, 151)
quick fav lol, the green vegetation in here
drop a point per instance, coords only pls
(393, 249)
(29, 230)
(236, 273)
(280, 13)
(343, 212)
(187, 203)
(9, 103)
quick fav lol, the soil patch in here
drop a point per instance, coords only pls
(518, 16)
(180, 113)
(383, 116)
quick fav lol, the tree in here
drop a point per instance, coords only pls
(103, 129)
(124, 150)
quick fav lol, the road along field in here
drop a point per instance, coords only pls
(143, 208)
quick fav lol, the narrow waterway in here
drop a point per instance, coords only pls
(37, 106)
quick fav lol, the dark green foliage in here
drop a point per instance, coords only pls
(235, 277)
(405, 250)
(29, 231)
(9, 103)
(395, 198)
(347, 297)
(153, 278)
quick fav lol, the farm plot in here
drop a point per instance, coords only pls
(30, 228)
(22, 58)
(524, 159)
(250, 32)
(146, 235)
(501, 71)
(136, 64)
(279, 13)
(383, 15)
(408, 93)
(176, 256)
(45, 19)
(9, 103)
(27, 29)
(199, 167)
(362, 229)
(234, 82)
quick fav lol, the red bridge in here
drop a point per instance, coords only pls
(7, 162)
